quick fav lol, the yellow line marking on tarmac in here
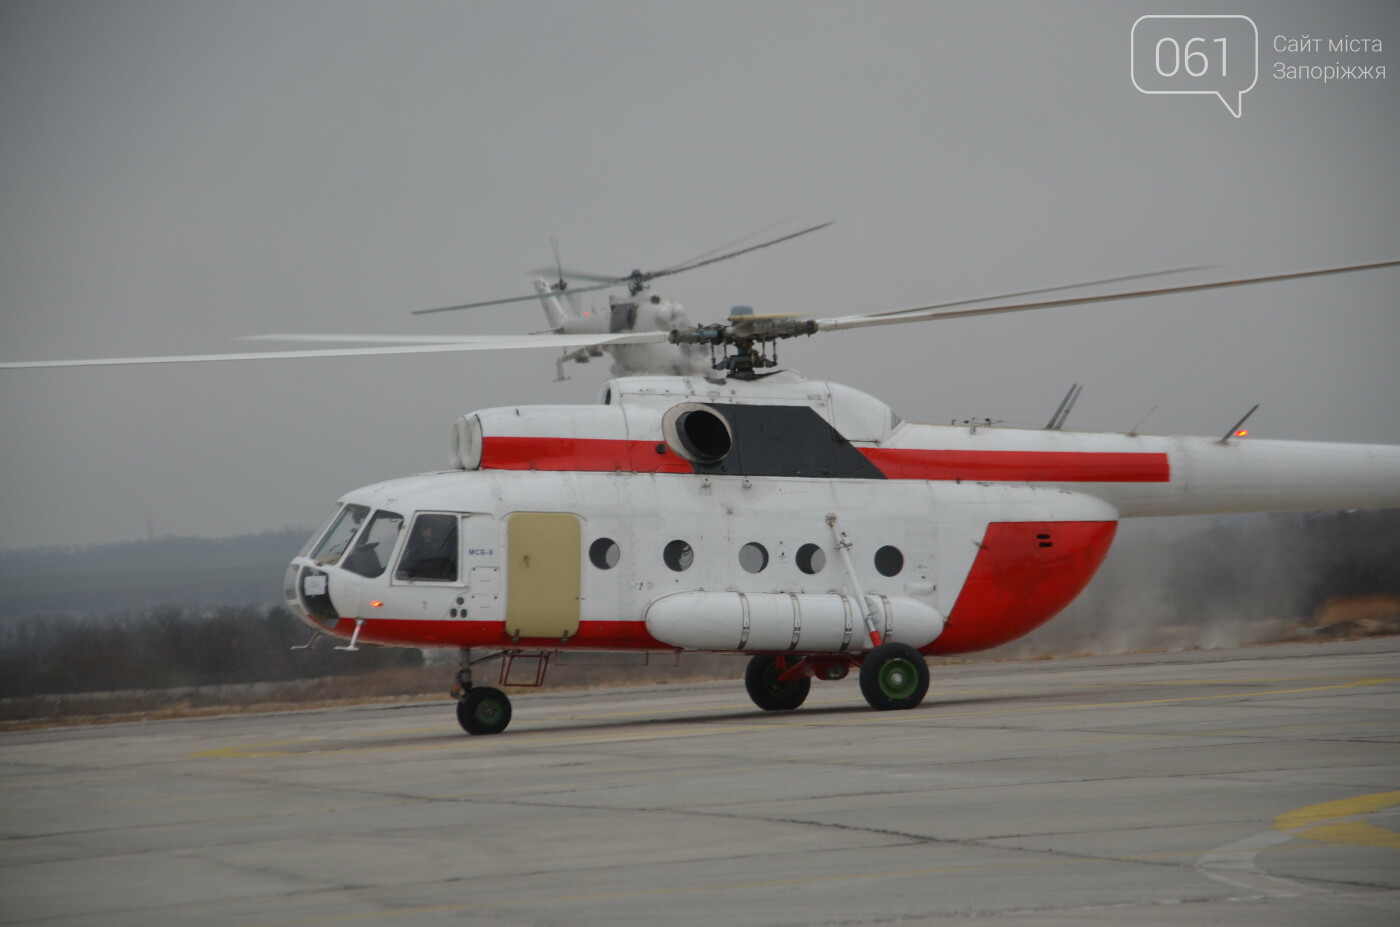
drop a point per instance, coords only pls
(542, 738)
(1340, 821)
(1334, 822)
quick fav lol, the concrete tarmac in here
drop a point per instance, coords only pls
(1257, 786)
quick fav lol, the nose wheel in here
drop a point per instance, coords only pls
(483, 710)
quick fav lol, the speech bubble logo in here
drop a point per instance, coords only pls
(1214, 55)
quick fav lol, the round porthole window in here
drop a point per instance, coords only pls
(753, 557)
(678, 555)
(604, 553)
(810, 559)
(889, 561)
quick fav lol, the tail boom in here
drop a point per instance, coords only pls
(1208, 476)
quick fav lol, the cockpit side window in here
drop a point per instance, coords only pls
(376, 544)
(338, 538)
(431, 552)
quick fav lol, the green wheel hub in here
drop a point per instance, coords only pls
(898, 679)
(487, 712)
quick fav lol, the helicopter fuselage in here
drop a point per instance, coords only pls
(773, 516)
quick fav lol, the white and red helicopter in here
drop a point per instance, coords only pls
(728, 507)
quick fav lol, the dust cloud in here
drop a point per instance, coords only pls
(1206, 583)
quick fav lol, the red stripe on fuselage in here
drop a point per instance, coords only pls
(1021, 466)
(586, 454)
(610, 455)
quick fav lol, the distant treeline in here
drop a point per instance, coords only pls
(132, 575)
(171, 648)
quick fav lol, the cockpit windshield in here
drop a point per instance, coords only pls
(376, 545)
(342, 529)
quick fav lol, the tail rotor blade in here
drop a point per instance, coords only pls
(558, 264)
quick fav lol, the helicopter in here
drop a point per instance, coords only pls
(637, 311)
(748, 510)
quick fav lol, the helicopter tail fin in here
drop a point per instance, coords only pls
(558, 308)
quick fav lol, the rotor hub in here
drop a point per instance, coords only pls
(749, 338)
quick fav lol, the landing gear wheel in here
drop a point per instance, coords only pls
(770, 693)
(893, 677)
(483, 710)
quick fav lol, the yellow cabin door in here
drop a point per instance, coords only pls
(544, 557)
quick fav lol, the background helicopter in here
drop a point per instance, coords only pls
(636, 311)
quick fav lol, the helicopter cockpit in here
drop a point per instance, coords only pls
(365, 544)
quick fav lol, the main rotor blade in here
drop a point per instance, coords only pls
(678, 268)
(569, 274)
(366, 339)
(452, 343)
(938, 311)
(1047, 289)
(600, 278)
(476, 343)
(513, 299)
(735, 242)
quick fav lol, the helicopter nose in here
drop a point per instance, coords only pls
(307, 591)
(289, 590)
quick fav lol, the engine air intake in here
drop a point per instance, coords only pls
(698, 433)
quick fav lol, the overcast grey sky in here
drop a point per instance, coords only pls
(176, 174)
